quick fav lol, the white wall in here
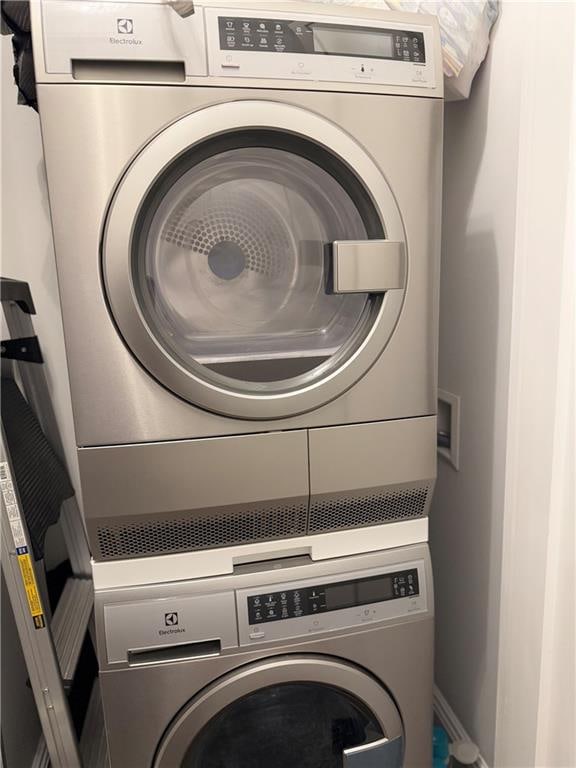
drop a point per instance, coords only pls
(504, 212)
(27, 254)
(27, 250)
(480, 178)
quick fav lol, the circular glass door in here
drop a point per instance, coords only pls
(290, 712)
(222, 284)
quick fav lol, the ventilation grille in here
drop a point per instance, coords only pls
(202, 531)
(354, 511)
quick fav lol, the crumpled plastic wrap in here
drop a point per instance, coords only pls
(464, 28)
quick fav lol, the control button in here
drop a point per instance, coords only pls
(257, 634)
(246, 26)
(230, 65)
(301, 70)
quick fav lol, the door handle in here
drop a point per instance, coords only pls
(368, 266)
(384, 753)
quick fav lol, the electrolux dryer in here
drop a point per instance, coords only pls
(293, 665)
(246, 212)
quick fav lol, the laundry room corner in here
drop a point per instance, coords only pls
(287, 459)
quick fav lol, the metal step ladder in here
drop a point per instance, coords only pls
(51, 644)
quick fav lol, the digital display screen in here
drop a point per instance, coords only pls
(306, 601)
(375, 591)
(352, 41)
(266, 35)
(340, 596)
(359, 593)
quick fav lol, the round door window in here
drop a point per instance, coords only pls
(218, 262)
(299, 725)
(231, 266)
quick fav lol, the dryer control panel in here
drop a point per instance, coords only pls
(315, 47)
(149, 41)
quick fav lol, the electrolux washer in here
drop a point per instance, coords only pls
(246, 215)
(293, 664)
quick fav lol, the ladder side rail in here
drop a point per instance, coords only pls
(34, 630)
(35, 388)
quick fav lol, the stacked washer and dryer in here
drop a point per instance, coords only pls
(246, 212)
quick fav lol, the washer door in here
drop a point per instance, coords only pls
(287, 712)
(254, 259)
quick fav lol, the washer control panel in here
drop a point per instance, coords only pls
(293, 610)
(320, 48)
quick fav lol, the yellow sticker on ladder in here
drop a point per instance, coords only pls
(32, 594)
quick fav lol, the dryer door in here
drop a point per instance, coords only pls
(255, 259)
(288, 712)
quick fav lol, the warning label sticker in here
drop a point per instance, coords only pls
(32, 594)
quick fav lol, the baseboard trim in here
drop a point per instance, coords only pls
(452, 724)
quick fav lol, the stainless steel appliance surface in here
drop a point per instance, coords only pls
(287, 663)
(246, 216)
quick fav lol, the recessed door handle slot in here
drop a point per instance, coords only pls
(129, 71)
(179, 652)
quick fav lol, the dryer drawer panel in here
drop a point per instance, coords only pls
(158, 498)
(369, 474)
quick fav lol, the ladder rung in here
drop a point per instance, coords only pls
(69, 624)
(93, 745)
(41, 757)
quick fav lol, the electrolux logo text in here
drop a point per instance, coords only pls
(171, 620)
(125, 27)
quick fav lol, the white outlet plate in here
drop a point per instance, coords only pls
(452, 454)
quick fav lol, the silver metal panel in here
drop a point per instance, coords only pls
(372, 266)
(193, 474)
(372, 455)
(150, 624)
(114, 399)
(330, 621)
